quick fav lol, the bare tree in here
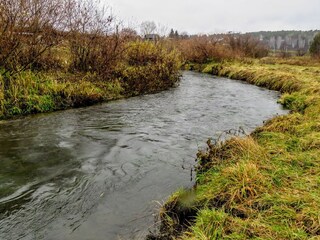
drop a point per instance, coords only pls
(148, 27)
(161, 30)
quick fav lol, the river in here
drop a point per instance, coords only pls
(102, 172)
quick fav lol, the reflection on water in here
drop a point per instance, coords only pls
(99, 172)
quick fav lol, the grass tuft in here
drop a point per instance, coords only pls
(266, 185)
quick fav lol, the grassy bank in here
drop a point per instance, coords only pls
(263, 186)
(37, 92)
(145, 67)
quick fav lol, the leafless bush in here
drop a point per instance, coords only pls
(246, 46)
(28, 28)
(204, 48)
(95, 40)
(201, 49)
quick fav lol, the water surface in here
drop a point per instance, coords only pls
(101, 172)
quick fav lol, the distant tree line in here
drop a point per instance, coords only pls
(206, 48)
(255, 44)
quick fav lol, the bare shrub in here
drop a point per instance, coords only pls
(246, 46)
(95, 41)
(202, 49)
(28, 29)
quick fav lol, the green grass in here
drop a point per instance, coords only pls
(144, 67)
(266, 185)
(38, 92)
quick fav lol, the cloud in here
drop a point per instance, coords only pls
(197, 16)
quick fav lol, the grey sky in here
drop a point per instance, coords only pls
(205, 16)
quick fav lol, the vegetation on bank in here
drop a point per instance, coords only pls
(56, 54)
(32, 91)
(59, 54)
(265, 185)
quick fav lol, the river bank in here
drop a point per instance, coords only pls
(145, 67)
(265, 185)
(102, 170)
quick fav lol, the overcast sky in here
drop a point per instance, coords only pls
(205, 16)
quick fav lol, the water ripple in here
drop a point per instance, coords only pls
(99, 172)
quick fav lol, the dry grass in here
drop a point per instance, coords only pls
(145, 67)
(266, 185)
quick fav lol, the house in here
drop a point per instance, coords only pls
(151, 37)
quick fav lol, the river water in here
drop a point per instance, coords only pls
(102, 172)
